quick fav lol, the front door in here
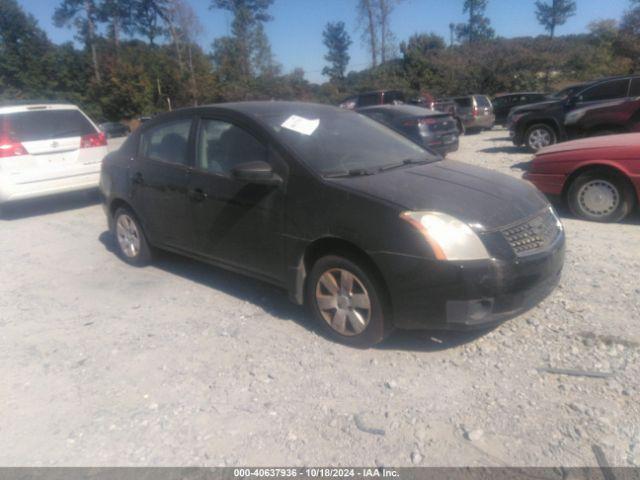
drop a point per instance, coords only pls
(160, 183)
(236, 222)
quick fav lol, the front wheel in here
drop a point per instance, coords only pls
(131, 243)
(348, 301)
(600, 196)
(539, 136)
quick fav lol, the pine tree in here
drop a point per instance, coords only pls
(552, 15)
(478, 27)
(337, 41)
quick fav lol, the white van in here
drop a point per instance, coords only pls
(47, 149)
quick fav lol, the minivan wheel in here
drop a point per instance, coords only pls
(600, 196)
(348, 302)
(539, 136)
(131, 243)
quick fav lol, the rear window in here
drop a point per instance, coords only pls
(44, 125)
(393, 97)
(369, 99)
(463, 101)
(482, 101)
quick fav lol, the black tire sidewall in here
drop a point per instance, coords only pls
(626, 196)
(379, 325)
(554, 137)
(144, 255)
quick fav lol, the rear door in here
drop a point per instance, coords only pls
(52, 139)
(160, 181)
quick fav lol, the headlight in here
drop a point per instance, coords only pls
(556, 217)
(449, 238)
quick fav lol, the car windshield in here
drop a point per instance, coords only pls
(345, 142)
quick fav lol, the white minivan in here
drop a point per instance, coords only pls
(47, 149)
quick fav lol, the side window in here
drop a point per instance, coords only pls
(378, 116)
(222, 146)
(635, 88)
(368, 100)
(167, 142)
(605, 91)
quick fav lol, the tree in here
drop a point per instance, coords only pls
(148, 18)
(478, 27)
(250, 45)
(337, 41)
(118, 14)
(24, 52)
(420, 54)
(84, 15)
(627, 43)
(367, 21)
(552, 15)
(387, 38)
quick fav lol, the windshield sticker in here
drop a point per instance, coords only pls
(301, 125)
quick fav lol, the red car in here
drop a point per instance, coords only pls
(598, 177)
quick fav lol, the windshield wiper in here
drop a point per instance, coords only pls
(406, 161)
(354, 172)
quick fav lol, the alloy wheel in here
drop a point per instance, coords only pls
(128, 236)
(598, 197)
(343, 301)
(539, 138)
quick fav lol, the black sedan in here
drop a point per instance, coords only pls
(115, 129)
(368, 229)
(435, 130)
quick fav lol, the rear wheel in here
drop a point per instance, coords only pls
(131, 243)
(600, 196)
(348, 301)
(539, 136)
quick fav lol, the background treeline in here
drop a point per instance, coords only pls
(139, 57)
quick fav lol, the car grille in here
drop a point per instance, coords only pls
(534, 234)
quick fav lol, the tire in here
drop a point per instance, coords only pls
(600, 196)
(538, 136)
(360, 316)
(129, 238)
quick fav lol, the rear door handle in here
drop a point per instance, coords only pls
(138, 179)
(197, 195)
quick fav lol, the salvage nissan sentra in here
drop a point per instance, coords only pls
(368, 229)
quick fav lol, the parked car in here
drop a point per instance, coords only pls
(364, 226)
(441, 105)
(47, 149)
(503, 103)
(435, 130)
(115, 129)
(598, 178)
(380, 97)
(475, 112)
(610, 105)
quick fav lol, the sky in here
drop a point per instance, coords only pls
(296, 30)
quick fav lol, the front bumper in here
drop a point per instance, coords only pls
(549, 184)
(429, 294)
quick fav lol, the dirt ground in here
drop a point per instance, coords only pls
(185, 364)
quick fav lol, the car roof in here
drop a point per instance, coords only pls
(32, 107)
(258, 109)
(405, 110)
(500, 95)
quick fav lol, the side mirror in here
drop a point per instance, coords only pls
(571, 101)
(257, 172)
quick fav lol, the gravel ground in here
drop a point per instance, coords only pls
(184, 364)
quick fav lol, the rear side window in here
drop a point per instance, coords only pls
(605, 91)
(635, 88)
(393, 97)
(222, 146)
(167, 142)
(44, 125)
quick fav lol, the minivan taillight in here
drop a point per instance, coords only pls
(93, 140)
(11, 148)
(474, 111)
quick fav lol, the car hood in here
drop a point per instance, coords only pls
(533, 107)
(472, 194)
(613, 144)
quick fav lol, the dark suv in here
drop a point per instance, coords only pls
(606, 106)
(368, 99)
(504, 102)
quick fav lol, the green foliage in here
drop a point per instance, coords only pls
(337, 41)
(478, 28)
(552, 15)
